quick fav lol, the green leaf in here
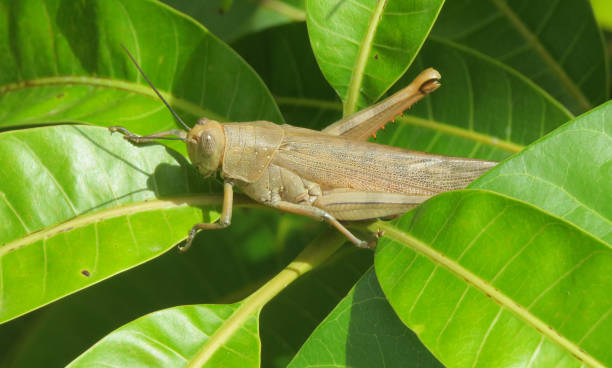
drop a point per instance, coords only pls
(232, 19)
(485, 280)
(222, 266)
(363, 331)
(227, 335)
(555, 43)
(172, 337)
(567, 173)
(64, 62)
(364, 46)
(82, 205)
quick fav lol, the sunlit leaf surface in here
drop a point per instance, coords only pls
(485, 280)
(172, 337)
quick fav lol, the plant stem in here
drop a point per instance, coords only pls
(312, 256)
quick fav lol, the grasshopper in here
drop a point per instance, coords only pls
(331, 175)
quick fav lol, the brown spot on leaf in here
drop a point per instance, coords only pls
(66, 229)
(85, 273)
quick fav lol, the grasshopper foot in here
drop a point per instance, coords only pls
(127, 135)
(221, 224)
(192, 233)
(365, 244)
(372, 241)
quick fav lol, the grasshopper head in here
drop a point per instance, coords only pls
(205, 145)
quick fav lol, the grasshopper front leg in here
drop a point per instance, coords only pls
(224, 220)
(181, 135)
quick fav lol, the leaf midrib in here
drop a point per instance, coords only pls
(462, 133)
(133, 87)
(119, 211)
(483, 286)
(365, 46)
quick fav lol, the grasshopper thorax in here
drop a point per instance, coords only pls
(205, 145)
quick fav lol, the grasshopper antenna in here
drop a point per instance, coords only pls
(178, 119)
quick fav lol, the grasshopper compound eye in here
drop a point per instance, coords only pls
(208, 144)
(205, 145)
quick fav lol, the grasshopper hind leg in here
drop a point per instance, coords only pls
(320, 215)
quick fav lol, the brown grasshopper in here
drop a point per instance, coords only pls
(330, 175)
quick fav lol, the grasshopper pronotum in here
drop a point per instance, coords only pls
(330, 175)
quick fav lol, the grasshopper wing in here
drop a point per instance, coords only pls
(336, 162)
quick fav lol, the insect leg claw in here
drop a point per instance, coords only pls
(126, 133)
(189, 240)
(363, 244)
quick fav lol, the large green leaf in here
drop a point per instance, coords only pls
(363, 331)
(555, 43)
(568, 173)
(82, 205)
(64, 62)
(364, 46)
(549, 277)
(485, 280)
(172, 337)
(221, 267)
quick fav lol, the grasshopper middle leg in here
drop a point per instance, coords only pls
(321, 215)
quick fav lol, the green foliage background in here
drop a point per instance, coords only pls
(515, 270)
